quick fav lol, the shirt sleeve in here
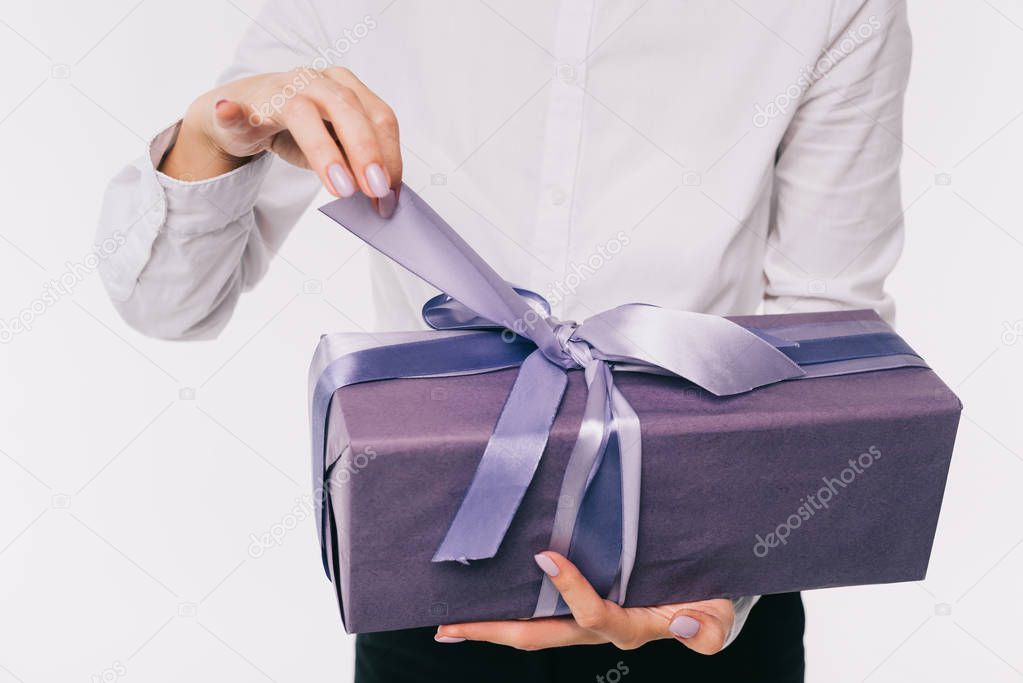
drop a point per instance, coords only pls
(836, 229)
(742, 607)
(189, 249)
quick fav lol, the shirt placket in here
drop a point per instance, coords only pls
(561, 146)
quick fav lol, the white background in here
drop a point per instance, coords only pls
(133, 473)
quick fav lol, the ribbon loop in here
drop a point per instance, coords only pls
(711, 352)
(443, 312)
(416, 237)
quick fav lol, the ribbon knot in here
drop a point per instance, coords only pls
(578, 350)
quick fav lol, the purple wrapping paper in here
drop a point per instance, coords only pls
(720, 476)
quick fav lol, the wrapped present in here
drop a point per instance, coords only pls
(673, 456)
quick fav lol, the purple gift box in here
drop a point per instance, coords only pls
(831, 481)
(673, 456)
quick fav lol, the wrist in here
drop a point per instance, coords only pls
(194, 154)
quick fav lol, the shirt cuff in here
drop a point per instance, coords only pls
(742, 607)
(141, 203)
(196, 207)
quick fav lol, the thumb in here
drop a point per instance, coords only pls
(702, 631)
(240, 130)
(232, 116)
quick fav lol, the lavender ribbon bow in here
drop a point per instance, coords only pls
(597, 520)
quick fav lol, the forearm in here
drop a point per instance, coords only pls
(190, 247)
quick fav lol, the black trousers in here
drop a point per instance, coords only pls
(769, 649)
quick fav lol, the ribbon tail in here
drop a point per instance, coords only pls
(591, 443)
(342, 360)
(596, 547)
(420, 240)
(630, 446)
(508, 463)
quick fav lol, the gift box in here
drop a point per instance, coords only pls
(829, 474)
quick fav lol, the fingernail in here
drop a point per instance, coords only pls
(448, 639)
(377, 180)
(387, 204)
(683, 626)
(341, 181)
(546, 564)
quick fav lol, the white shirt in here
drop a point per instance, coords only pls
(698, 155)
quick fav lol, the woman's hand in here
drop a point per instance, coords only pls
(327, 121)
(700, 626)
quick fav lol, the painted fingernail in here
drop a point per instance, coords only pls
(377, 180)
(684, 627)
(448, 639)
(341, 181)
(546, 564)
(387, 204)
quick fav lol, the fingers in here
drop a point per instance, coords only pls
(381, 118)
(703, 626)
(700, 626)
(588, 608)
(535, 634)
(627, 629)
(353, 128)
(305, 123)
(333, 124)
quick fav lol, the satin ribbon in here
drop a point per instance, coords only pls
(483, 324)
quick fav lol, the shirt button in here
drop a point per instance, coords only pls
(558, 196)
(566, 72)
